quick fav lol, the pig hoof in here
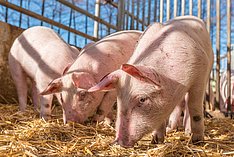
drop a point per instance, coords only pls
(157, 140)
(46, 117)
(169, 130)
(197, 138)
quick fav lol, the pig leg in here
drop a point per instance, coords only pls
(35, 96)
(19, 78)
(159, 134)
(174, 118)
(46, 102)
(195, 106)
(106, 105)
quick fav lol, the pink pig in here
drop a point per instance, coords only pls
(92, 64)
(40, 54)
(169, 61)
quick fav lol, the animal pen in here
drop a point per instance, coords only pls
(79, 22)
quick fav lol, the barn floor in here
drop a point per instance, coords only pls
(24, 134)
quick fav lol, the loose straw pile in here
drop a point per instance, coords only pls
(25, 134)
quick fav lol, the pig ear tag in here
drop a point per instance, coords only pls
(142, 73)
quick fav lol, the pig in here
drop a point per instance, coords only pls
(223, 92)
(170, 60)
(98, 59)
(41, 55)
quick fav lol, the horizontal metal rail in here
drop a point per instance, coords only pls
(42, 18)
(72, 6)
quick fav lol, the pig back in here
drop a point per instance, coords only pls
(41, 49)
(107, 54)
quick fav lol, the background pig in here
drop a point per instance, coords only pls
(223, 92)
(168, 62)
(92, 64)
(40, 54)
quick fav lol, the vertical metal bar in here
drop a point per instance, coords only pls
(86, 22)
(155, 10)
(229, 54)
(168, 10)
(96, 24)
(6, 14)
(132, 18)
(217, 51)
(208, 16)
(70, 22)
(190, 7)
(53, 12)
(74, 20)
(110, 21)
(161, 11)
(20, 18)
(138, 12)
(175, 8)
(149, 11)
(28, 16)
(143, 15)
(182, 7)
(199, 9)
(121, 13)
(60, 14)
(42, 10)
(127, 15)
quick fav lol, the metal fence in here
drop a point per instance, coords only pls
(82, 21)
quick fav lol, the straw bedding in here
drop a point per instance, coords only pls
(25, 134)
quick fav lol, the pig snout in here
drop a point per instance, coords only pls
(71, 116)
(124, 143)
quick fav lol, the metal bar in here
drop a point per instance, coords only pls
(208, 16)
(127, 17)
(87, 14)
(20, 19)
(97, 14)
(175, 8)
(190, 7)
(6, 14)
(28, 16)
(182, 7)
(60, 16)
(121, 13)
(155, 10)
(168, 10)
(138, 12)
(130, 14)
(199, 9)
(47, 20)
(143, 14)
(229, 55)
(70, 22)
(132, 18)
(42, 10)
(86, 21)
(149, 11)
(74, 22)
(161, 11)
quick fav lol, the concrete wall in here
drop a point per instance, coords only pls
(8, 34)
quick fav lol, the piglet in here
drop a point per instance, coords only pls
(41, 55)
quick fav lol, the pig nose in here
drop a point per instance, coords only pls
(125, 144)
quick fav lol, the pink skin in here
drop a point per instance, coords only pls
(168, 62)
(33, 55)
(92, 64)
(223, 92)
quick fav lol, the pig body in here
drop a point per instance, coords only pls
(223, 92)
(169, 61)
(41, 55)
(92, 64)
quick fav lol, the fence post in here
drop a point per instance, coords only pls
(175, 8)
(199, 9)
(161, 11)
(121, 13)
(168, 10)
(229, 109)
(96, 24)
(217, 51)
(155, 10)
(132, 18)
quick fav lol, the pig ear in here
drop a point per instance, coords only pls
(142, 73)
(83, 80)
(55, 86)
(107, 83)
(67, 68)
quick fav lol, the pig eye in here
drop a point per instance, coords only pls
(142, 100)
(82, 94)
